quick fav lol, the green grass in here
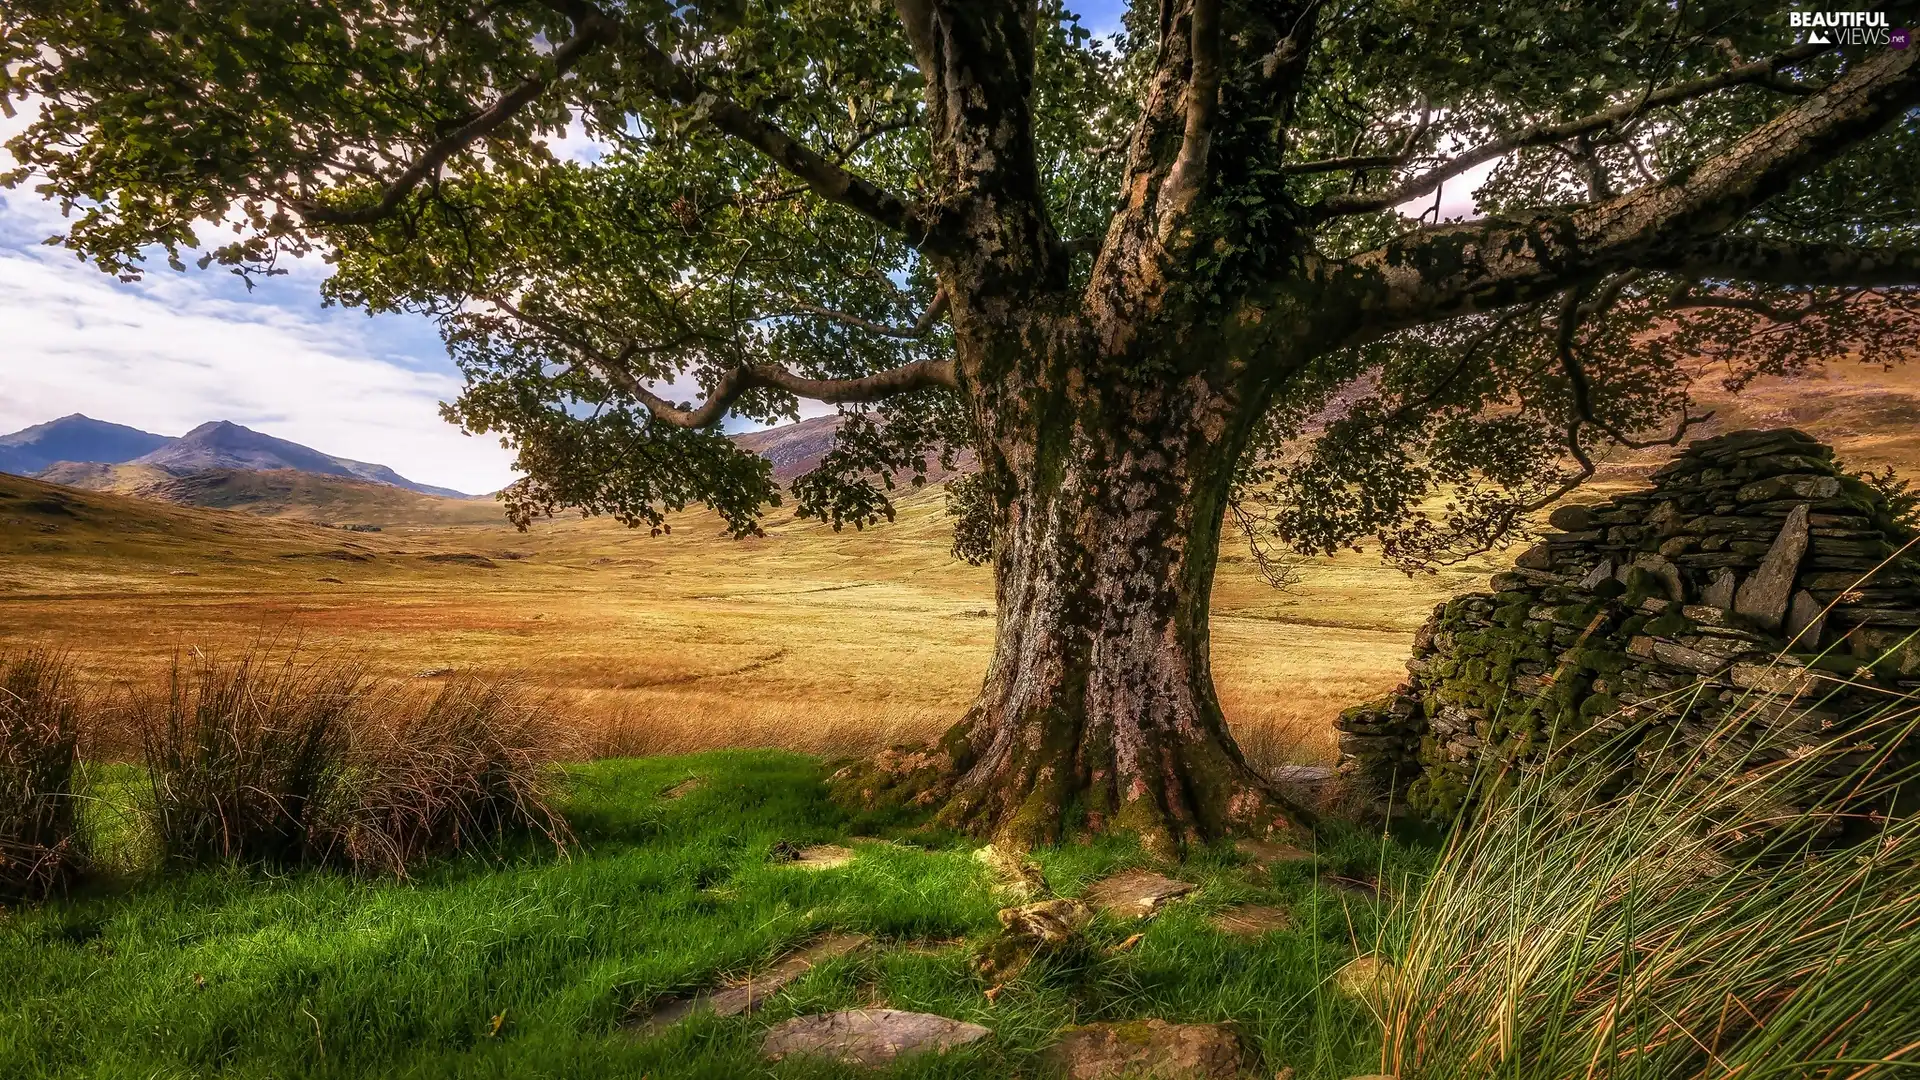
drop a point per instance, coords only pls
(239, 973)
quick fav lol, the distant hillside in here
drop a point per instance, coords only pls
(797, 448)
(74, 438)
(291, 494)
(222, 444)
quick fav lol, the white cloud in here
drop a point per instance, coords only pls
(170, 352)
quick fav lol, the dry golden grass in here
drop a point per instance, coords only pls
(804, 638)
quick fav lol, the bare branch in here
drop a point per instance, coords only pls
(920, 328)
(590, 29)
(1761, 72)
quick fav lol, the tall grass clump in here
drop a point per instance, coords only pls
(284, 763)
(1748, 907)
(41, 847)
(245, 758)
(469, 766)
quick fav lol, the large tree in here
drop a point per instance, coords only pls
(1135, 277)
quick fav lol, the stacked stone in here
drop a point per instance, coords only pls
(1752, 564)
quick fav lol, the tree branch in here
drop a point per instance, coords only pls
(1760, 72)
(615, 369)
(1188, 174)
(825, 178)
(590, 29)
(1786, 262)
(920, 328)
(1572, 311)
(1673, 225)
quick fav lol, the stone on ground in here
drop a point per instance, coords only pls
(746, 996)
(683, 788)
(1135, 894)
(1013, 873)
(821, 857)
(1149, 1050)
(1251, 920)
(1366, 978)
(870, 1037)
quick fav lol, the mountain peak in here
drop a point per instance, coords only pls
(75, 437)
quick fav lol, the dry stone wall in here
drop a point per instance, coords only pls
(1750, 575)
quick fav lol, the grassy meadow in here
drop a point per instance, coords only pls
(522, 964)
(804, 639)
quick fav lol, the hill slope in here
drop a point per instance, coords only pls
(291, 494)
(74, 438)
(222, 444)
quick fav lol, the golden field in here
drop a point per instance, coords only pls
(805, 638)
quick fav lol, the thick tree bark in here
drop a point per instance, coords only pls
(1099, 710)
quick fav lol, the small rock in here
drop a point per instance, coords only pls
(1764, 595)
(1149, 1050)
(1669, 575)
(1719, 594)
(1806, 620)
(683, 788)
(1268, 852)
(747, 996)
(1135, 894)
(869, 1037)
(1303, 775)
(1013, 873)
(1597, 575)
(821, 857)
(433, 673)
(1251, 920)
(1537, 557)
(1366, 978)
(1570, 518)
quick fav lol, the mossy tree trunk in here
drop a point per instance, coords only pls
(1099, 708)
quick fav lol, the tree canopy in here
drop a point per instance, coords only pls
(754, 221)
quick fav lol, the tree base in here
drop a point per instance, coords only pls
(1206, 794)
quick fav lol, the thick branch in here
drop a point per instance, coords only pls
(1188, 174)
(1675, 224)
(590, 29)
(1785, 262)
(1759, 71)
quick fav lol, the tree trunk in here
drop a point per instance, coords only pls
(1099, 708)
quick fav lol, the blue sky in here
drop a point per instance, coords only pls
(177, 349)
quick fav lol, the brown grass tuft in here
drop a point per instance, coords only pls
(40, 711)
(463, 768)
(284, 762)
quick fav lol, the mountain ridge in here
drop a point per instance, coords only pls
(79, 450)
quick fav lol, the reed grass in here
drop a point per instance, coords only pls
(1748, 907)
